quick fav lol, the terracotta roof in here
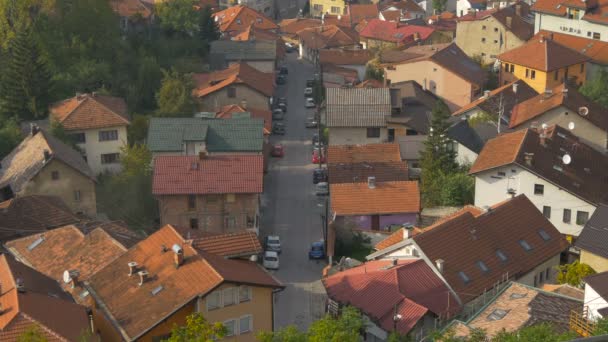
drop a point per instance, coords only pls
(241, 73)
(216, 174)
(510, 98)
(407, 5)
(547, 55)
(386, 198)
(167, 288)
(345, 57)
(368, 153)
(395, 32)
(357, 107)
(381, 290)
(391, 15)
(581, 177)
(230, 245)
(90, 111)
(595, 11)
(359, 12)
(359, 172)
(253, 33)
(117, 230)
(41, 303)
(594, 237)
(565, 290)
(599, 283)
(397, 236)
(446, 21)
(519, 26)
(22, 216)
(328, 36)
(562, 96)
(129, 8)
(370, 84)
(595, 49)
(27, 160)
(293, 26)
(228, 111)
(238, 18)
(465, 240)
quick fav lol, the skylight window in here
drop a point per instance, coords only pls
(501, 255)
(497, 315)
(465, 278)
(36, 242)
(518, 295)
(525, 245)
(544, 234)
(157, 290)
(483, 267)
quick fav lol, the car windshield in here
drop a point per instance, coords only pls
(272, 259)
(273, 240)
(317, 248)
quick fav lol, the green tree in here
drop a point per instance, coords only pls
(539, 332)
(178, 16)
(20, 15)
(208, 30)
(197, 329)
(136, 160)
(439, 5)
(58, 131)
(457, 189)
(573, 274)
(175, 95)
(601, 327)
(373, 70)
(141, 94)
(25, 84)
(32, 334)
(137, 132)
(596, 89)
(10, 136)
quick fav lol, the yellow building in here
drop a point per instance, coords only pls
(320, 7)
(543, 64)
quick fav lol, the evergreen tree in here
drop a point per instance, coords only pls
(208, 30)
(596, 89)
(24, 90)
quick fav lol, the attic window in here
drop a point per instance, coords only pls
(157, 290)
(525, 245)
(35, 244)
(544, 235)
(238, 21)
(483, 267)
(501, 255)
(497, 314)
(259, 20)
(465, 278)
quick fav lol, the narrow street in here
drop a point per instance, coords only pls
(290, 208)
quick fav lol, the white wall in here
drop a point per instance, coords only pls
(462, 7)
(464, 156)
(93, 148)
(528, 278)
(554, 23)
(354, 135)
(490, 188)
(594, 301)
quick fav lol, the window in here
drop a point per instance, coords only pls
(596, 35)
(411, 132)
(483, 40)
(556, 75)
(589, 34)
(193, 223)
(245, 324)
(229, 295)
(496, 29)
(547, 273)
(54, 175)
(238, 21)
(533, 74)
(495, 41)
(317, 7)
(483, 267)
(512, 68)
(527, 73)
(501, 255)
(191, 201)
(213, 300)
(78, 138)
(77, 195)
(503, 174)
(230, 198)
(335, 10)
(497, 314)
(110, 158)
(539, 189)
(483, 27)
(108, 135)
(373, 132)
(244, 294)
(541, 276)
(230, 222)
(547, 211)
(543, 234)
(506, 67)
(231, 92)
(535, 280)
(525, 245)
(567, 216)
(582, 217)
(230, 327)
(464, 277)
(582, 68)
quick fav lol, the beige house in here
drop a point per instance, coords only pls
(98, 125)
(592, 241)
(487, 34)
(43, 165)
(443, 69)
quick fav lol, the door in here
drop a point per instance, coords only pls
(391, 134)
(375, 222)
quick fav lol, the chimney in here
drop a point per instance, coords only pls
(244, 104)
(439, 264)
(416, 36)
(542, 38)
(178, 255)
(20, 285)
(371, 182)
(47, 155)
(143, 275)
(407, 232)
(509, 21)
(518, 10)
(93, 94)
(34, 129)
(486, 94)
(202, 155)
(529, 157)
(132, 267)
(548, 93)
(515, 85)
(543, 137)
(73, 277)
(394, 262)
(565, 92)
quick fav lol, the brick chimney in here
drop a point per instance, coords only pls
(143, 276)
(178, 255)
(371, 182)
(132, 267)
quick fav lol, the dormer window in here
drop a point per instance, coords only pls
(464, 277)
(238, 21)
(525, 245)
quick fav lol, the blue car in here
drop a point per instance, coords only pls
(317, 250)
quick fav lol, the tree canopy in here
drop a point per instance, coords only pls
(573, 274)
(596, 89)
(175, 95)
(197, 329)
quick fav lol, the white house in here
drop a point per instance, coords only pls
(577, 18)
(562, 176)
(596, 295)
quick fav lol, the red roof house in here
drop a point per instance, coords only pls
(379, 32)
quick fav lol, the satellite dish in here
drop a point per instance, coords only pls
(430, 21)
(571, 125)
(67, 278)
(216, 19)
(544, 126)
(583, 111)
(339, 17)
(566, 159)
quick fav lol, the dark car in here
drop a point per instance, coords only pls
(283, 71)
(311, 122)
(281, 79)
(319, 175)
(310, 83)
(283, 107)
(282, 100)
(278, 128)
(277, 151)
(317, 250)
(277, 114)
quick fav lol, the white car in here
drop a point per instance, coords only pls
(273, 243)
(322, 189)
(310, 103)
(308, 91)
(271, 260)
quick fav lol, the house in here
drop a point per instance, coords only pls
(383, 290)
(475, 250)
(489, 33)
(445, 25)
(23, 216)
(380, 34)
(253, 33)
(236, 19)
(551, 166)
(237, 245)
(543, 64)
(349, 59)
(357, 115)
(237, 111)
(355, 163)
(98, 124)
(400, 10)
(565, 107)
(335, 76)
(239, 82)
(289, 28)
(466, 7)
(135, 15)
(358, 12)
(31, 300)
(576, 18)
(43, 165)
(596, 296)
(518, 306)
(443, 69)
(313, 40)
(156, 284)
(592, 241)
(374, 206)
(259, 54)
(217, 193)
(262, 6)
(320, 7)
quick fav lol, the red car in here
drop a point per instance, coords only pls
(277, 151)
(317, 157)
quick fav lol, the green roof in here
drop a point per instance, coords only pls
(220, 135)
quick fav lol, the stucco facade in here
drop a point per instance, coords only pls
(74, 188)
(320, 7)
(598, 263)
(594, 301)
(454, 90)
(355, 136)
(214, 101)
(491, 187)
(575, 26)
(94, 146)
(368, 222)
(540, 80)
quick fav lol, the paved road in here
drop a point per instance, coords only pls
(290, 208)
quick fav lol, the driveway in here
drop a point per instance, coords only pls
(290, 209)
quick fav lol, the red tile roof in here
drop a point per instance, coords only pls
(502, 150)
(395, 32)
(345, 57)
(386, 198)
(328, 36)
(216, 174)
(292, 26)
(543, 54)
(89, 111)
(524, 92)
(254, 33)
(381, 290)
(359, 12)
(266, 115)
(238, 18)
(595, 11)
(595, 49)
(368, 153)
(241, 73)
(230, 245)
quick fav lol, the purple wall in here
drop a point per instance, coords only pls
(365, 221)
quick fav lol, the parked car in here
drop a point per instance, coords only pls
(311, 122)
(322, 189)
(271, 260)
(308, 92)
(310, 103)
(289, 47)
(283, 107)
(317, 250)
(318, 156)
(277, 114)
(282, 100)
(273, 243)
(278, 128)
(310, 83)
(319, 175)
(277, 151)
(283, 70)
(281, 79)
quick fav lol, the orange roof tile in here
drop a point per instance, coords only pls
(227, 111)
(344, 57)
(368, 153)
(241, 73)
(543, 54)
(385, 198)
(88, 111)
(292, 26)
(129, 8)
(359, 12)
(230, 245)
(252, 32)
(499, 151)
(595, 49)
(238, 18)
(595, 11)
(328, 36)
(524, 92)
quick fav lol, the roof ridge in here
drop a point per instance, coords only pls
(74, 109)
(110, 109)
(42, 325)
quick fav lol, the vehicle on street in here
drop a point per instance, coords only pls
(310, 83)
(322, 189)
(318, 156)
(319, 175)
(277, 151)
(278, 128)
(281, 79)
(282, 100)
(271, 260)
(317, 250)
(308, 91)
(289, 47)
(311, 122)
(273, 243)
(277, 114)
(283, 71)
(310, 103)
(283, 107)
